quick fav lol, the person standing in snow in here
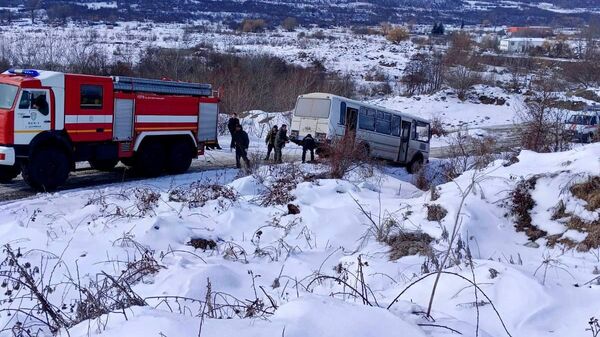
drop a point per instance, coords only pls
(308, 144)
(231, 124)
(270, 140)
(280, 140)
(241, 144)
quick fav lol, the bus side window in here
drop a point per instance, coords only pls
(383, 123)
(366, 120)
(396, 126)
(343, 113)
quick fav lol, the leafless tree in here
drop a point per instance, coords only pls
(543, 118)
(32, 6)
(423, 74)
(462, 78)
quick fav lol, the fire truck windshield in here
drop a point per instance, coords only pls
(7, 95)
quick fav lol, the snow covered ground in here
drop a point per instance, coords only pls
(293, 274)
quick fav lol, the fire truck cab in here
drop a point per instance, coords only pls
(51, 120)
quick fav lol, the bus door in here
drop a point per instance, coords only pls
(405, 127)
(348, 118)
(351, 119)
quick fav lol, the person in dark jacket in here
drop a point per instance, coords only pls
(280, 140)
(241, 143)
(270, 140)
(308, 144)
(231, 124)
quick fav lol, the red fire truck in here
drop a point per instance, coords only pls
(51, 120)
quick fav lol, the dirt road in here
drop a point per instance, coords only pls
(87, 177)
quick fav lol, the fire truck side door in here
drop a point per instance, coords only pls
(32, 115)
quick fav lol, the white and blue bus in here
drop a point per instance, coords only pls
(388, 134)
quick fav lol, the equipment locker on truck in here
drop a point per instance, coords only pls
(51, 120)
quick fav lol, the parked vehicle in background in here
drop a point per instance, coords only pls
(584, 126)
(387, 134)
(51, 120)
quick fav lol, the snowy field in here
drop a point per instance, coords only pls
(272, 273)
(368, 59)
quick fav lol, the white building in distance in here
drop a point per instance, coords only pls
(520, 44)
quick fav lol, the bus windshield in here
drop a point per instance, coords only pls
(421, 131)
(7, 95)
(313, 107)
(580, 119)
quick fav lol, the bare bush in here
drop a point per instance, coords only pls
(253, 25)
(543, 120)
(461, 49)
(281, 181)
(290, 24)
(345, 154)
(39, 305)
(198, 194)
(397, 35)
(421, 180)
(219, 305)
(583, 72)
(462, 78)
(437, 126)
(423, 74)
(146, 200)
(466, 152)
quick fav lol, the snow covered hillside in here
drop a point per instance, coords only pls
(287, 252)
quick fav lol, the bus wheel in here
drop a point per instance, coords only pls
(8, 173)
(103, 164)
(415, 165)
(150, 159)
(179, 158)
(46, 169)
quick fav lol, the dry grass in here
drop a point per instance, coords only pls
(521, 204)
(592, 228)
(204, 244)
(409, 243)
(436, 212)
(588, 191)
(560, 211)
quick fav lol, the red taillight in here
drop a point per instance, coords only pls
(2, 156)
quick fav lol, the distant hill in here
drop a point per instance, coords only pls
(321, 12)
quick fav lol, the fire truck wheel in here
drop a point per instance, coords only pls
(8, 173)
(180, 156)
(150, 159)
(47, 169)
(103, 164)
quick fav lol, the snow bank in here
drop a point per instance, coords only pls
(267, 254)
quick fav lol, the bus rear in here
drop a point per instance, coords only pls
(312, 116)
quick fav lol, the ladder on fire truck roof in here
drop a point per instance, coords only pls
(130, 84)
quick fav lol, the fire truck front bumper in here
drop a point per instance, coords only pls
(7, 156)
